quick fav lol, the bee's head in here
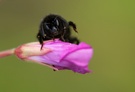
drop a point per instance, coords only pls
(54, 25)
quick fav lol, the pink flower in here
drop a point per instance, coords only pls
(57, 55)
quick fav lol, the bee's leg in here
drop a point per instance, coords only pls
(62, 38)
(40, 40)
(50, 66)
(73, 25)
(74, 40)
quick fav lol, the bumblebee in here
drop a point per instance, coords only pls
(54, 26)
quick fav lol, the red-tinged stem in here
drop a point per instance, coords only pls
(6, 53)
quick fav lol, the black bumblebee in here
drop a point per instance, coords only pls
(54, 26)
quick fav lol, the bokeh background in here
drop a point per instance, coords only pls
(108, 25)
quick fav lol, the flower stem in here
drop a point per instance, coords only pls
(6, 53)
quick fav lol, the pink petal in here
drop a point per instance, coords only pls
(66, 56)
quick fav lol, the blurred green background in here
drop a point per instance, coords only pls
(108, 25)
